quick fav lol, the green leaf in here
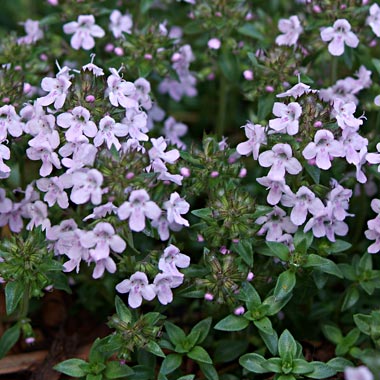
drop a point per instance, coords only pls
(122, 310)
(154, 348)
(265, 105)
(114, 370)
(275, 305)
(286, 377)
(229, 66)
(321, 371)
(338, 246)
(97, 354)
(190, 158)
(199, 332)
(279, 250)
(254, 363)
(145, 5)
(274, 365)
(351, 297)
(9, 339)
(332, 333)
(13, 293)
(339, 364)
(209, 371)
(264, 324)
(313, 171)
(363, 322)
(365, 263)
(347, 342)
(376, 63)
(244, 249)
(91, 376)
(71, 367)
(203, 213)
(176, 334)
(250, 30)
(270, 340)
(301, 367)
(285, 284)
(250, 296)
(232, 323)
(199, 354)
(302, 241)
(322, 264)
(187, 377)
(170, 363)
(227, 350)
(287, 347)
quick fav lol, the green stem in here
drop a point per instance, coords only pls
(24, 303)
(334, 70)
(222, 107)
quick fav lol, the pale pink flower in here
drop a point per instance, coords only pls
(280, 160)
(33, 33)
(108, 132)
(323, 149)
(175, 207)
(138, 288)
(78, 123)
(120, 92)
(120, 24)
(291, 29)
(87, 186)
(287, 118)
(171, 259)
(58, 89)
(137, 208)
(104, 238)
(256, 137)
(373, 20)
(84, 30)
(339, 34)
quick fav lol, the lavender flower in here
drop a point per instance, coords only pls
(291, 29)
(84, 30)
(137, 208)
(339, 35)
(138, 288)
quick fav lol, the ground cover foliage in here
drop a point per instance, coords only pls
(189, 189)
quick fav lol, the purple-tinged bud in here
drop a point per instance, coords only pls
(235, 241)
(148, 56)
(214, 174)
(200, 238)
(209, 297)
(5, 100)
(372, 43)
(223, 250)
(30, 340)
(130, 175)
(249, 16)
(248, 74)
(269, 88)
(239, 310)
(119, 51)
(176, 57)
(211, 76)
(185, 172)
(27, 87)
(318, 124)
(242, 173)
(49, 288)
(122, 362)
(218, 14)
(343, 6)
(214, 43)
(90, 98)
(250, 276)
(317, 9)
(18, 68)
(109, 48)
(43, 57)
